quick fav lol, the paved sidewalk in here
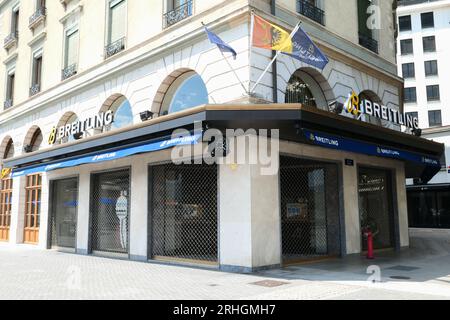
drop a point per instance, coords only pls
(29, 273)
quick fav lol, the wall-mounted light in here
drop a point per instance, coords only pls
(27, 148)
(146, 115)
(417, 132)
(336, 107)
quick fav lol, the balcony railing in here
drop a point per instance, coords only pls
(11, 39)
(69, 71)
(35, 89)
(368, 42)
(37, 17)
(8, 103)
(114, 48)
(176, 15)
(311, 11)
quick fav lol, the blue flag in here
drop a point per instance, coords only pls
(214, 38)
(304, 49)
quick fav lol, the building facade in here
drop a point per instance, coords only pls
(93, 91)
(422, 55)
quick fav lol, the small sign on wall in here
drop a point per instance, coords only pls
(349, 162)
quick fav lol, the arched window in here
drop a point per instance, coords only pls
(302, 88)
(36, 140)
(67, 119)
(33, 140)
(186, 92)
(123, 114)
(9, 150)
(368, 95)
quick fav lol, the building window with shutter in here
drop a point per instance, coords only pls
(117, 22)
(36, 77)
(71, 53)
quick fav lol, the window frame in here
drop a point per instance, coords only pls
(411, 70)
(402, 42)
(428, 63)
(109, 6)
(434, 44)
(399, 23)
(410, 89)
(434, 113)
(10, 85)
(67, 33)
(15, 18)
(422, 15)
(37, 54)
(434, 97)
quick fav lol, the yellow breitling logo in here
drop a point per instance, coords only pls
(52, 137)
(5, 173)
(353, 104)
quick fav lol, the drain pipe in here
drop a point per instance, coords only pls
(274, 66)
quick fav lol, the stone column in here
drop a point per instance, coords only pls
(351, 209)
(249, 217)
(84, 199)
(138, 217)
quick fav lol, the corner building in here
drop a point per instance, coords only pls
(111, 188)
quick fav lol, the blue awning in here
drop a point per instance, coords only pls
(355, 146)
(114, 155)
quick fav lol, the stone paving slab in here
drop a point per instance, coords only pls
(30, 273)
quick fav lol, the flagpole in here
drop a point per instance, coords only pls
(234, 71)
(273, 60)
(231, 67)
(250, 56)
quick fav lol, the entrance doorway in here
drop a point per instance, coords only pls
(64, 195)
(310, 220)
(32, 208)
(110, 212)
(184, 213)
(376, 208)
(5, 208)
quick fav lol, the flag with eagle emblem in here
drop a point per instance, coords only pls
(298, 45)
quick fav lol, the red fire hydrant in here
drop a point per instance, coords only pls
(369, 236)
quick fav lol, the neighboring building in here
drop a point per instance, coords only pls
(423, 61)
(91, 81)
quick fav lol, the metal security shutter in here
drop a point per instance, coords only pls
(184, 213)
(309, 209)
(110, 214)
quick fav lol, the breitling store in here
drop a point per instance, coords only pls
(121, 194)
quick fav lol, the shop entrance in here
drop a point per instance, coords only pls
(110, 212)
(184, 213)
(376, 208)
(310, 220)
(32, 208)
(64, 195)
(5, 208)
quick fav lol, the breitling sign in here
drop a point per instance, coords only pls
(79, 127)
(358, 107)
